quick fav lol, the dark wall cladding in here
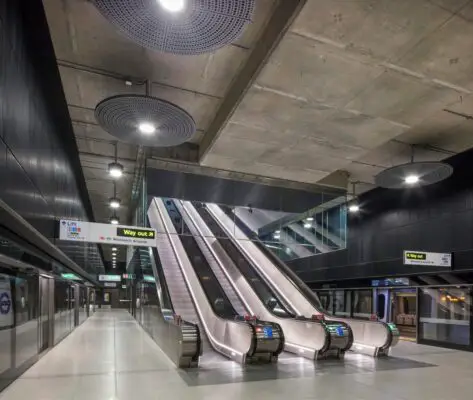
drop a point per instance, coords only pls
(437, 218)
(187, 186)
(40, 170)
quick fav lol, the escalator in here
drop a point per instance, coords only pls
(180, 341)
(370, 337)
(305, 337)
(197, 297)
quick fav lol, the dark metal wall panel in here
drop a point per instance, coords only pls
(161, 183)
(40, 174)
(438, 218)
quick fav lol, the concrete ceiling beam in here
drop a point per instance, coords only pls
(283, 15)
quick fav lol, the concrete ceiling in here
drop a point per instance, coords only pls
(314, 93)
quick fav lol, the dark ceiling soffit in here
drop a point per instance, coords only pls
(190, 168)
(40, 44)
(16, 224)
(338, 274)
(283, 16)
(194, 187)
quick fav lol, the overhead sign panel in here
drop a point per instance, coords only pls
(80, 231)
(110, 278)
(427, 258)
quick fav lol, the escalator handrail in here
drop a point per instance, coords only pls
(210, 271)
(217, 259)
(291, 276)
(290, 314)
(305, 291)
(244, 252)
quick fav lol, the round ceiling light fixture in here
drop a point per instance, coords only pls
(172, 5)
(183, 27)
(114, 220)
(123, 116)
(413, 174)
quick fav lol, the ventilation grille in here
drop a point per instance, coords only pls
(428, 173)
(121, 116)
(201, 27)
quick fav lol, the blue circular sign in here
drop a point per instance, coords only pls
(5, 303)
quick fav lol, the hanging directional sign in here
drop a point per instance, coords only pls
(80, 231)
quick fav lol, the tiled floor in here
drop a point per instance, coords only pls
(110, 357)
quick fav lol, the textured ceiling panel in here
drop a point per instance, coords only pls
(201, 26)
(126, 116)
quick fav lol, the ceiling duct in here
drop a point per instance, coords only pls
(145, 120)
(201, 26)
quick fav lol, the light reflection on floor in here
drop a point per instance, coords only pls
(291, 366)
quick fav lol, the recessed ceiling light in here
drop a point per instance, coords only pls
(307, 225)
(147, 128)
(114, 220)
(276, 236)
(114, 202)
(277, 232)
(115, 170)
(354, 208)
(114, 249)
(309, 219)
(411, 179)
(172, 5)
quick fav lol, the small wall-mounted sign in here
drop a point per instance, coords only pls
(427, 258)
(110, 278)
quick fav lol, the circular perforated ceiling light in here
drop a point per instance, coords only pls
(179, 26)
(145, 120)
(413, 174)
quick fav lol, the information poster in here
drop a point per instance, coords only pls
(6, 303)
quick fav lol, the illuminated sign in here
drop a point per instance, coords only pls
(136, 233)
(427, 258)
(149, 278)
(80, 231)
(110, 284)
(110, 278)
(129, 276)
(70, 276)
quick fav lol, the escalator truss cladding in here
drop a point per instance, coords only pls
(306, 337)
(374, 338)
(198, 297)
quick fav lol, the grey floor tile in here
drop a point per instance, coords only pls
(110, 357)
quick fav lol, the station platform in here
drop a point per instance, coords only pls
(110, 357)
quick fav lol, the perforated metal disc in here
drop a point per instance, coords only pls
(202, 26)
(122, 115)
(428, 173)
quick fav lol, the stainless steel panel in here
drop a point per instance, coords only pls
(304, 338)
(369, 336)
(230, 338)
